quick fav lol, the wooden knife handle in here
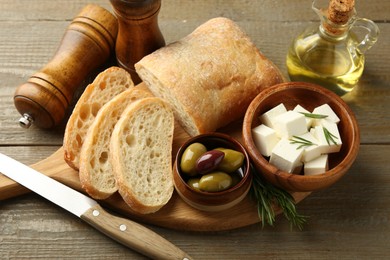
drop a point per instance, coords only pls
(132, 235)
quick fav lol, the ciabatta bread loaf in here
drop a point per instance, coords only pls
(141, 154)
(96, 174)
(210, 76)
(106, 85)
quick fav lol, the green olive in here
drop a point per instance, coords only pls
(215, 181)
(193, 183)
(189, 157)
(232, 161)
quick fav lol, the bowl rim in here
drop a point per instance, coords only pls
(257, 157)
(226, 138)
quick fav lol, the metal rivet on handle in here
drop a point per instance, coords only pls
(122, 227)
(95, 213)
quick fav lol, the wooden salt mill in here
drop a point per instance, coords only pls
(139, 33)
(87, 43)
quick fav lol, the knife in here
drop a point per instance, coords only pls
(125, 231)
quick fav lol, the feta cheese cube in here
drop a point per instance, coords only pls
(268, 117)
(327, 144)
(290, 123)
(316, 166)
(325, 109)
(265, 139)
(300, 109)
(310, 151)
(285, 156)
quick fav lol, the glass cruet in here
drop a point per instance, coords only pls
(332, 54)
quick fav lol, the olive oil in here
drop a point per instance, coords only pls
(331, 63)
(330, 54)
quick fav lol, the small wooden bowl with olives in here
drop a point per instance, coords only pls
(212, 172)
(309, 96)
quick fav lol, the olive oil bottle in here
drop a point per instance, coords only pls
(331, 54)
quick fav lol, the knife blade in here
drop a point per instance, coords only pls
(125, 231)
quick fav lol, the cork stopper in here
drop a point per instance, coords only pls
(339, 13)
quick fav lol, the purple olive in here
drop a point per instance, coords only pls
(209, 161)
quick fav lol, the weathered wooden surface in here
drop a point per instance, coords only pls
(350, 220)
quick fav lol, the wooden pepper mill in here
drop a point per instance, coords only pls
(87, 43)
(139, 33)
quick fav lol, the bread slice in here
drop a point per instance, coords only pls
(210, 76)
(106, 85)
(141, 154)
(96, 175)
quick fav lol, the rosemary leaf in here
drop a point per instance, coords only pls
(264, 202)
(329, 136)
(316, 116)
(265, 194)
(302, 141)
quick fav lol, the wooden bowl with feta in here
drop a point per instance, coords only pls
(300, 136)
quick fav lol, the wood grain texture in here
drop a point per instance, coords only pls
(350, 220)
(132, 234)
(175, 215)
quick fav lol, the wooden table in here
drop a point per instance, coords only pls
(350, 220)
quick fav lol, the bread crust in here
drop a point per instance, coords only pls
(105, 86)
(210, 76)
(141, 154)
(95, 173)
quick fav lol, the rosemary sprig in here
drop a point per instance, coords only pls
(316, 116)
(329, 136)
(302, 141)
(265, 195)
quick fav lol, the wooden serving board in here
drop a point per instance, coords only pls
(175, 215)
